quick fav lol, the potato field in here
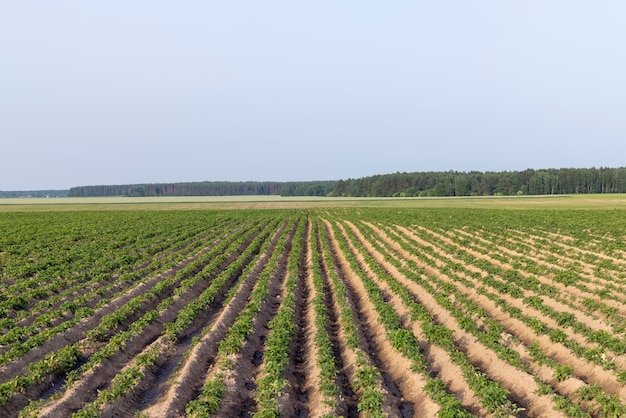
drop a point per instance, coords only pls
(313, 312)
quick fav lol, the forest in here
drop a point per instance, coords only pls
(33, 193)
(417, 184)
(208, 188)
(476, 183)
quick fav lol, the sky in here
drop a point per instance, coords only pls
(151, 91)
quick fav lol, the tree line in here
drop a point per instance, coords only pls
(476, 183)
(446, 183)
(33, 193)
(208, 188)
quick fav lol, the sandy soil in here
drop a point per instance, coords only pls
(519, 383)
(586, 371)
(85, 389)
(591, 322)
(409, 384)
(438, 359)
(316, 405)
(191, 375)
(241, 379)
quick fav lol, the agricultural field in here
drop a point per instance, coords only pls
(313, 311)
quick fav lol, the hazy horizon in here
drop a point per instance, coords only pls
(156, 92)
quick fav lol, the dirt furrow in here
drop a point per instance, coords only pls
(295, 401)
(542, 257)
(555, 261)
(561, 242)
(584, 370)
(77, 333)
(350, 355)
(575, 296)
(592, 282)
(311, 353)
(96, 378)
(241, 380)
(95, 289)
(85, 390)
(345, 359)
(190, 376)
(156, 383)
(520, 384)
(404, 385)
(513, 327)
(591, 245)
(547, 300)
(438, 359)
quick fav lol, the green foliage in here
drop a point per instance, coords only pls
(210, 399)
(208, 188)
(563, 372)
(454, 183)
(366, 379)
(272, 383)
(59, 269)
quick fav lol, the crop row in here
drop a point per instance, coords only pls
(323, 312)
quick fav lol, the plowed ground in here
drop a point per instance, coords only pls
(562, 336)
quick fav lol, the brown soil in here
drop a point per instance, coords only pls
(241, 380)
(295, 399)
(126, 406)
(316, 407)
(548, 301)
(544, 256)
(345, 359)
(438, 359)
(77, 333)
(168, 386)
(520, 384)
(575, 298)
(85, 390)
(539, 257)
(566, 388)
(592, 282)
(584, 370)
(407, 384)
(95, 289)
(349, 355)
(190, 376)
(563, 240)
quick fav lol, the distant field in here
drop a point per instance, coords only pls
(608, 201)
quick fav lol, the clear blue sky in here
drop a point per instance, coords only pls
(111, 92)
